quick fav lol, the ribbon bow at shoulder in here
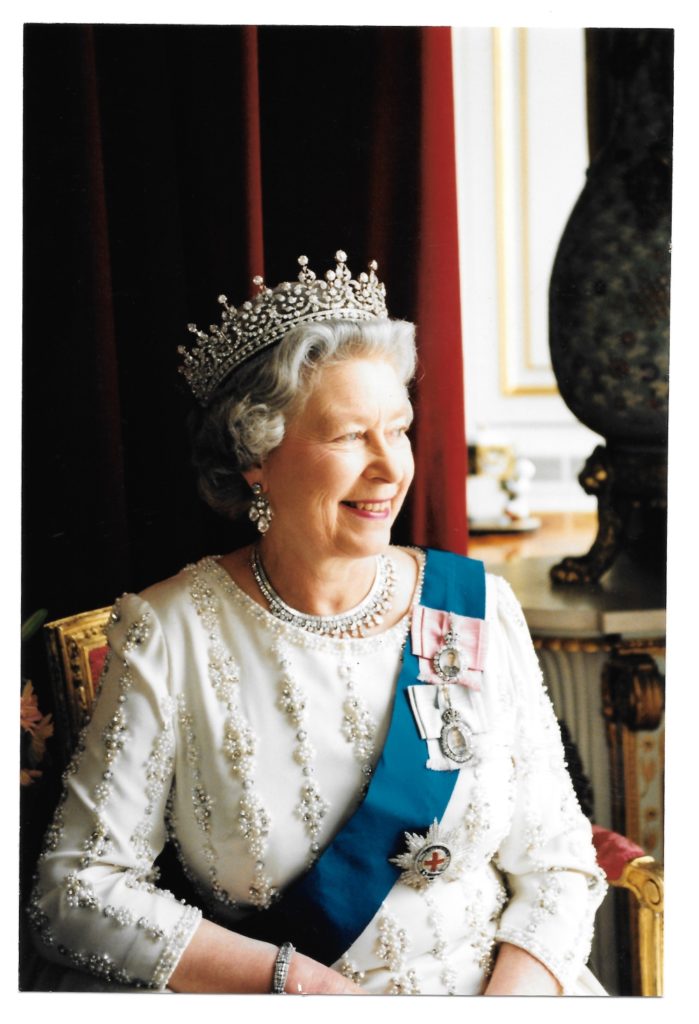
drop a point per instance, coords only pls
(450, 648)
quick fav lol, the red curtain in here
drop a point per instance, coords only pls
(439, 498)
(100, 360)
(251, 149)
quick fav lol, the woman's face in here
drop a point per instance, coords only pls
(338, 479)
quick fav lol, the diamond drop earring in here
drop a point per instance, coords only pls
(260, 510)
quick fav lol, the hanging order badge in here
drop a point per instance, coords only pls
(449, 662)
(456, 737)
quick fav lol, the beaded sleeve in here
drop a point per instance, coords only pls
(95, 905)
(547, 856)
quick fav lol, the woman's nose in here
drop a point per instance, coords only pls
(384, 463)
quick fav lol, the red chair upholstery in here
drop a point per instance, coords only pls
(626, 866)
(614, 851)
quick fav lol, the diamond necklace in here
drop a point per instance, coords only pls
(355, 622)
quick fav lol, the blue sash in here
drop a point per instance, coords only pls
(325, 910)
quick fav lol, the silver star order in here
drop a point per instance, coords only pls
(452, 839)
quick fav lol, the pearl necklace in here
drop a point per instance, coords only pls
(355, 622)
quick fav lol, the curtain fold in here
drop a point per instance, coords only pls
(255, 247)
(101, 358)
(439, 499)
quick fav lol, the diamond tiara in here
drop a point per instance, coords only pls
(265, 319)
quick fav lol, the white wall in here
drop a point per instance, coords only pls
(521, 159)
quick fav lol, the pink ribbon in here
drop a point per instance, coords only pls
(429, 629)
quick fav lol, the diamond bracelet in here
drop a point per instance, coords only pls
(281, 969)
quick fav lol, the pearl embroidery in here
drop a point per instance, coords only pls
(239, 741)
(478, 927)
(349, 969)
(202, 891)
(99, 964)
(312, 807)
(502, 898)
(391, 947)
(358, 726)
(179, 938)
(79, 893)
(202, 804)
(98, 843)
(448, 975)
(476, 823)
(114, 735)
(534, 837)
(126, 918)
(137, 632)
(159, 768)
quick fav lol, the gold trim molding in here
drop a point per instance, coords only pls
(504, 341)
(577, 645)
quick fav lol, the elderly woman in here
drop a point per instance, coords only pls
(348, 743)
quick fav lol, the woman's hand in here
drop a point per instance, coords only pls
(308, 977)
(518, 973)
(218, 960)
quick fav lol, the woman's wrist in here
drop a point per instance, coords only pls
(518, 973)
(219, 960)
(309, 977)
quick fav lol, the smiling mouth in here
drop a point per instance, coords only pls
(369, 506)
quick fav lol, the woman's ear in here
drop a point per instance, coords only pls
(254, 475)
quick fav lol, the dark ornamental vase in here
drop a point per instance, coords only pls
(609, 306)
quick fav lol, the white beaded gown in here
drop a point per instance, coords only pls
(249, 742)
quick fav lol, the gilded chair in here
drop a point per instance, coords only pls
(77, 648)
(627, 867)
